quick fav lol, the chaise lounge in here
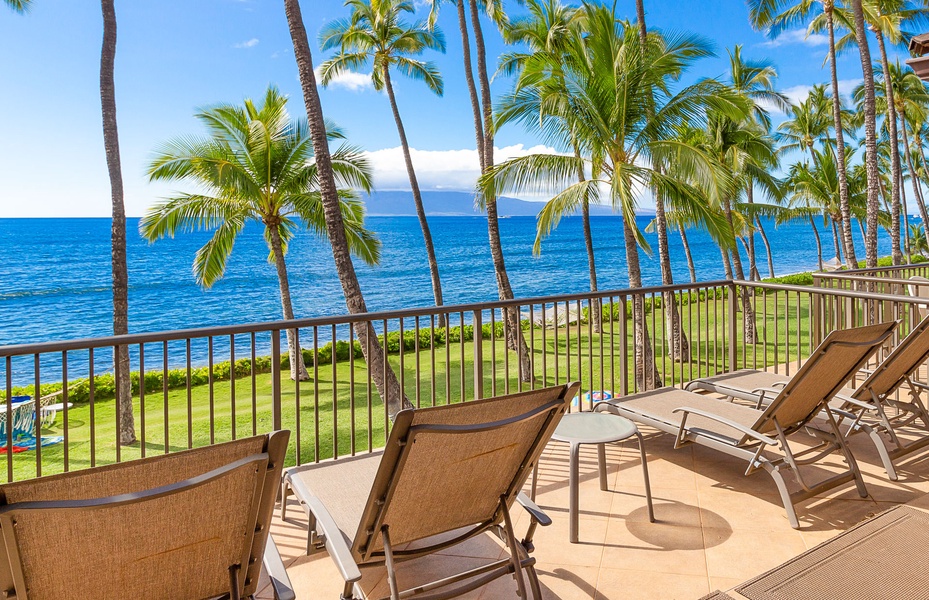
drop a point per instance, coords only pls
(192, 524)
(873, 398)
(454, 470)
(746, 432)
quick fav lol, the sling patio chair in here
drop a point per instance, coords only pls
(454, 469)
(871, 407)
(192, 524)
(746, 432)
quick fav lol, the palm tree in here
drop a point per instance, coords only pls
(125, 419)
(546, 29)
(777, 16)
(621, 110)
(816, 188)
(918, 243)
(677, 339)
(886, 18)
(257, 165)
(482, 109)
(20, 6)
(870, 133)
(755, 81)
(807, 123)
(376, 34)
(388, 386)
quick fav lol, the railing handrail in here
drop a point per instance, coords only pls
(850, 276)
(831, 292)
(347, 319)
(343, 319)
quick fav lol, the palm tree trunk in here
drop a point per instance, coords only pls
(647, 376)
(767, 247)
(515, 338)
(297, 368)
(914, 179)
(126, 420)
(690, 257)
(906, 221)
(417, 197)
(752, 259)
(748, 313)
(677, 341)
(469, 79)
(819, 243)
(595, 312)
(384, 378)
(835, 240)
(678, 346)
(894, 153)
(844, 207)
(727, 263)
(870, 136)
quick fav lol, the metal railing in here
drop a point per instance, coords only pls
(202, 386)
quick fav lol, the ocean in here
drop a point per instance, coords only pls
(55, 273)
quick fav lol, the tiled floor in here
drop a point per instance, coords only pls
(715, 527)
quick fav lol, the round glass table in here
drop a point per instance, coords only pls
(598, 428)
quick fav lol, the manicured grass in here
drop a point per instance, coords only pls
(337, 410)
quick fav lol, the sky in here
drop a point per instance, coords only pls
(175, 56)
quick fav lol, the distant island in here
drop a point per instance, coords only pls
(459, 204)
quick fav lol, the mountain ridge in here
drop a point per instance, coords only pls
(459, 204)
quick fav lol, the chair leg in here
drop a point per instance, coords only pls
(535, 480)
(573, 492)
(601, 463)
(786, 500)
(285, 486)
(389, 563)
(533, 577)
(515, 558)
(348, 592)
(648, 487)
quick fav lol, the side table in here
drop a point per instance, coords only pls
(598, 428)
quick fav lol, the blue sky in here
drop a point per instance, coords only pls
(176, 55)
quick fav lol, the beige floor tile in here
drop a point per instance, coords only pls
(678, 507)
(658, 547)
(744, 554)
(621, 584)
(558, 582)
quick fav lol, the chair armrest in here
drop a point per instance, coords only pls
(533, 509)
(920, 385)
(853, 402)
(336, 544)
(274, 567)
(764, 391)
(737, 426)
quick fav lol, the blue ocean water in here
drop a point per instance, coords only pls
(55, 273)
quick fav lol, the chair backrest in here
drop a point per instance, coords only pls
(450, 467)
(919, 290)
(839, 357)
(166, 526)
(906, 357)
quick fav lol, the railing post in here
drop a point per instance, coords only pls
(733, 334)
(276, 379)
(479, 355)
(816, 318)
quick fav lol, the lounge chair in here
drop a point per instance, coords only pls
(746, 432)
(454, 470)
(874, 398)
(192, 524)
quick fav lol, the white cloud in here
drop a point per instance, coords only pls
(798, 93)
(348, 80)
(440, 170)
(247, 44)
(797, 36)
